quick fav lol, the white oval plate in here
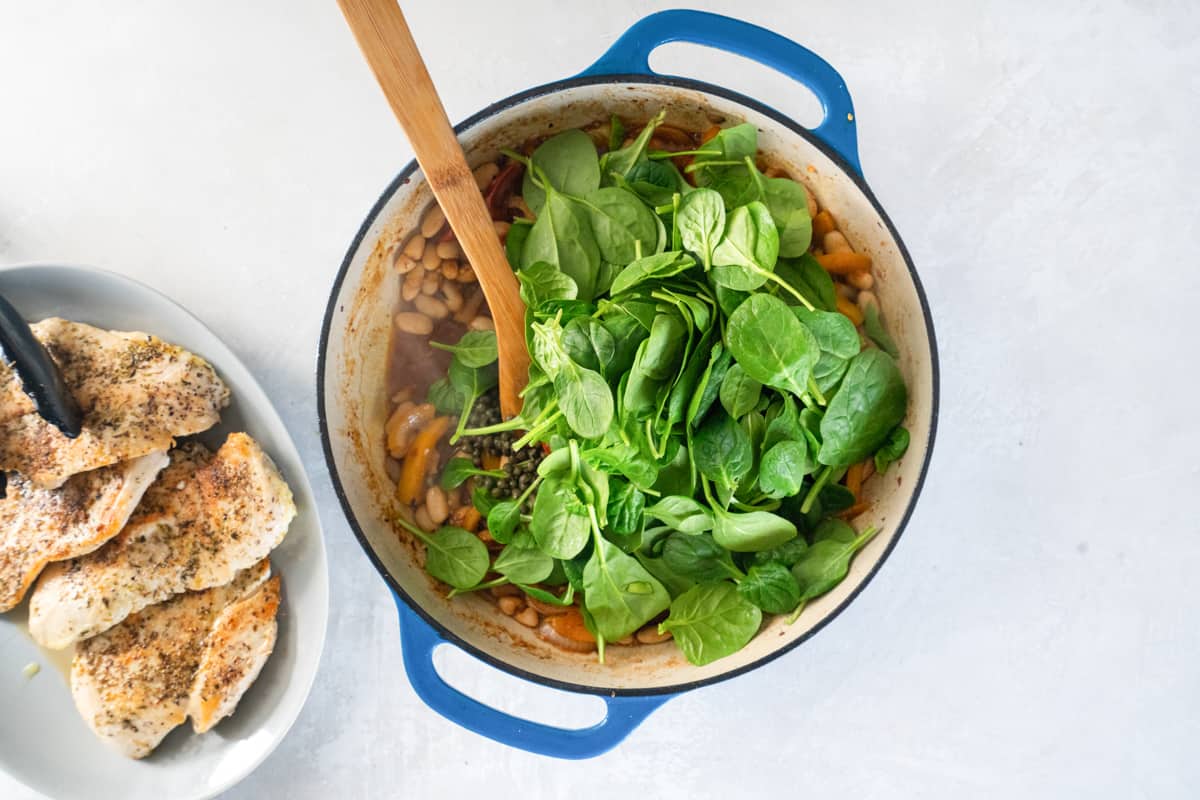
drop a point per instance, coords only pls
(44, 743)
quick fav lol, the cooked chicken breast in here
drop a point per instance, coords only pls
(136, 682)
(206, 518)
(240, 643)
(136, 391)
(38, 526)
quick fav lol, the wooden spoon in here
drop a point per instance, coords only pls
(386, 42)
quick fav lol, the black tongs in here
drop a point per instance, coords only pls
(40, 376)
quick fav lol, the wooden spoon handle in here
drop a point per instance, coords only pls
(386, 42)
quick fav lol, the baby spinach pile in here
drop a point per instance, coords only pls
(700, 396)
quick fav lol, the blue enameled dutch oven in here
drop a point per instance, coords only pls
(353, 394)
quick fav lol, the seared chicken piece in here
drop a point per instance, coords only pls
(38, 526)
(136, 391)
(136, 682)
(206, 518)
(240, 643)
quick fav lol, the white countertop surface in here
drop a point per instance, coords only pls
(1034, 634)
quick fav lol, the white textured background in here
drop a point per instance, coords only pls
(1034, 635)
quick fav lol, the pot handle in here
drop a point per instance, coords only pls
(630, 55)
(418, 640)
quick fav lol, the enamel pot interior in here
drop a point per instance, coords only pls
(354, 395)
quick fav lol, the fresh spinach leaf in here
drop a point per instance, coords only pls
(523, 564)
(562, 237)
(752, 531)
(771, 345)
(568, 161)
(674, 583)
(541, 281)
(748, 250)
(711, 621)
(585, 400)
(655, 182)
(785, 426)
(620, 162)
(514, 241)
(474, 349)
(619, 593)
(458, 470)
(810, 279)
(452, 555)
(893, 448)
(626, 503)
(771, 587)
(698, 557)
(878, 334)
(871, 401)
(654, 267)
(834, 332)
(824, 565)
(588, 343)
(788, 204)
(503, 519)
(786, 554)
(709, 387)
(783, 469)
(471, 383)
(739, 392)
(560, 521)
(445, 397)
(616, 132)
(721, 450)
(619, 220)
(701, 222)
(682, 513)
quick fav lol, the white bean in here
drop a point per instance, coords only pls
(436, 505)
(861, 279)
(482, 323)
(412, 285)
(433, 221)
(414, 323)
(449, 250)
(431, 307)
(485, 174)
(867, 298)
(415, 246)
(431, 283)
(431, 260)
(450, 270)
(453, 295)
(509, 604)
(835, 242)
(423, 520)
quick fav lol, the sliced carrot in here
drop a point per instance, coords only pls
(570, 626)
(854, 479)
(823, 223)
(491, 461)
(709, 134)
(412, 473)
(471, 518)
(844, 262)
(850, 310)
